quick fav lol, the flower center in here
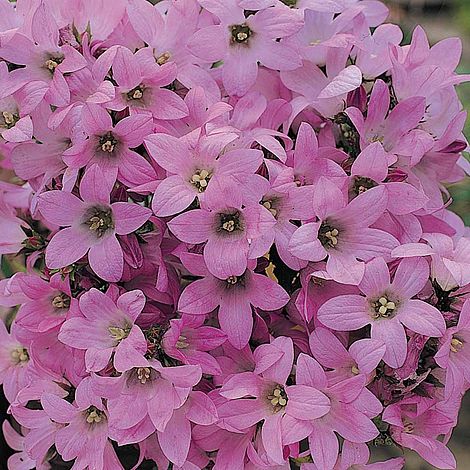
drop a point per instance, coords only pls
(240, 33)
(118, 333)
(328, 235)
(182, 342)
(355, 369)
(163, 58)
(136, 93)
(94, 415)
(408, 428)
(19, 355)
(230, 222)
(383, 308)
(61, 301)
(99, 220)
(456, 344)
(278, 398)
(9, 119)
(201, 179)
(108, 142)
(53, 62)
(270, 205)
(143, 374)
(362, 184)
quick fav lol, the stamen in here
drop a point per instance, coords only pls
(99, 220)
(108, 143)
(383, 308)
(240, 33)
(118, 333)
(355, 370)
(229, 225)
(269, 205)
(328, 235)
(8, 117)
(143, 374)
(61, 301)
(201, 179)
(229, 222)
(409, 428)
(19, 355)
(456, 345)
(136, 94)
(53, 62)
(182, 342)
(94, 415)
(163, 58)
(362, 184)
(278, 398)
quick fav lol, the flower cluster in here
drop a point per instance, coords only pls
(230, 226)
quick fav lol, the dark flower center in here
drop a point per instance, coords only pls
(94, 415)
(278, 398)
(136, 93)
(241, 33)
(200, 179)
(328, 235)
(272, 206)
(108, 142)
(52, 62)
(99, 220)
(229, 222)
(362, 184)
(9, 119)
(61, 301)
(235, 281)
(383, 307)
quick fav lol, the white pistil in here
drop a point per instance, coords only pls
(332, 235)
(137, 95)
(107, 146)
(355, 370)
(163, 58)
(93, 417)
(232, 280)
(8, 117)
(229, 226)
(242, 36)
(20, 355)
(278, 398)
(117, 333)
(51, 64)
(456, 345)
(182, 342)
(269, 206)
(95, 223)
(143, 374)
(384, 307)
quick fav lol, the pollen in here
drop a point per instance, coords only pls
(136, 93)
(143, 374)
(241, 33)
(182, 342)
(383, 308)
(355, 370)
(270, 206)
(51, 64)
(94, 415)
(99, 220)
(328, 235)
(118, 333)
(163, 58)
(61, 301)
(20, 355)
(278, 398)
(200, 179)
(8, 117)
(456, 345)
(108, 143)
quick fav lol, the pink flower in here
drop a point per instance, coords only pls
(188, 341)
(141, 84)
(85, 433)
(234, 295)
(418, 428)
(387, 307)
(197, 172)
(106, 327)
(348, 416)
(48, 302)
(240, 42)
(263, 395)
(343, 232)
(453, 354)
(91, 225)
(229, 228)
(108, 146)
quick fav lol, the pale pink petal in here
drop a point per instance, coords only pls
(236, 320)
(176, 438)
(106, 259)
(392, 334)
(60, 207)
(306, 403)
(172, 196)
(345, 313)
(376, 278)
(272, 437)
(422, 318)
(411, 277)
(200, 297)
(225, 257)
(129, 217)
(67, 246)
(192, 227)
